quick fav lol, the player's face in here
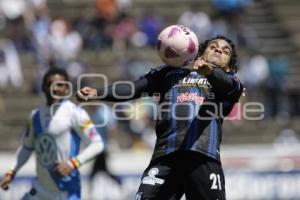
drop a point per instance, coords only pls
(218, 52)
(55, 87)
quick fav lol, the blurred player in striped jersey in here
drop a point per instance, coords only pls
(55, 132)
(192, 107)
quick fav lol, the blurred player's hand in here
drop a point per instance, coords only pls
(5, 182)
(203, 66)
(63, 168)
(86, 94)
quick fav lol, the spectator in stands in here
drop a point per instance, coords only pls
(198, 21)
(229, 22)
(90, 31)
(16, 14)
(254, 72)
(151, 24)
(13, 9)
(56, 44)
(243, 36)
(65, 42)
(124, 5)
(98, 32)
(108, 9)
(123, 31)
(276, 85)
(132, 67)
(229, 7)
(40, 31)
(10, 65)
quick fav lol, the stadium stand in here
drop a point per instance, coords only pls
(275, 22)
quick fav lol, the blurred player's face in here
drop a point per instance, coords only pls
(55, 87)
(218, 52)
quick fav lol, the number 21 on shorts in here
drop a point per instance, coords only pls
(216, 181)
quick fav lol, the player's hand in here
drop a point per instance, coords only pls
(86, 94)
(5, 182)
(203, 66)
(63, 169)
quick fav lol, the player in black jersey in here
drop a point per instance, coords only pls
(193, 104)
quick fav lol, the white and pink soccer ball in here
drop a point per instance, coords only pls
(177, 45)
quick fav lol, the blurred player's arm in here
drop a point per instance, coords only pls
(124, 92)
(150, 83)
(89, 135)
(23, 154)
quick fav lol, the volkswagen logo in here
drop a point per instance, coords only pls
(46, 150)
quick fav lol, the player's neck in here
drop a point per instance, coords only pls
(50, 102)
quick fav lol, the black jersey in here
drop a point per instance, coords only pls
(191, 108)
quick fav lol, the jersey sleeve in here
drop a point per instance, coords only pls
(155, 78)
(28, 135)
(22, 156)
(148, 84)
(88, 133)
(123, 92)
(236, 91)
(225, 85)
(27, 146)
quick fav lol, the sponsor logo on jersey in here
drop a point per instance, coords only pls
(46, 150)
(203, 82)
(185, 97)
(151, 179)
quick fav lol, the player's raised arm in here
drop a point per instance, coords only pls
(149, 83)
(117, 94)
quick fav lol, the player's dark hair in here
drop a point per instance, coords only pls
(233, 59)
(53, 71)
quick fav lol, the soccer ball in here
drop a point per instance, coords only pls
(177, 45)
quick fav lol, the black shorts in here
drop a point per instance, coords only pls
(183, 172)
